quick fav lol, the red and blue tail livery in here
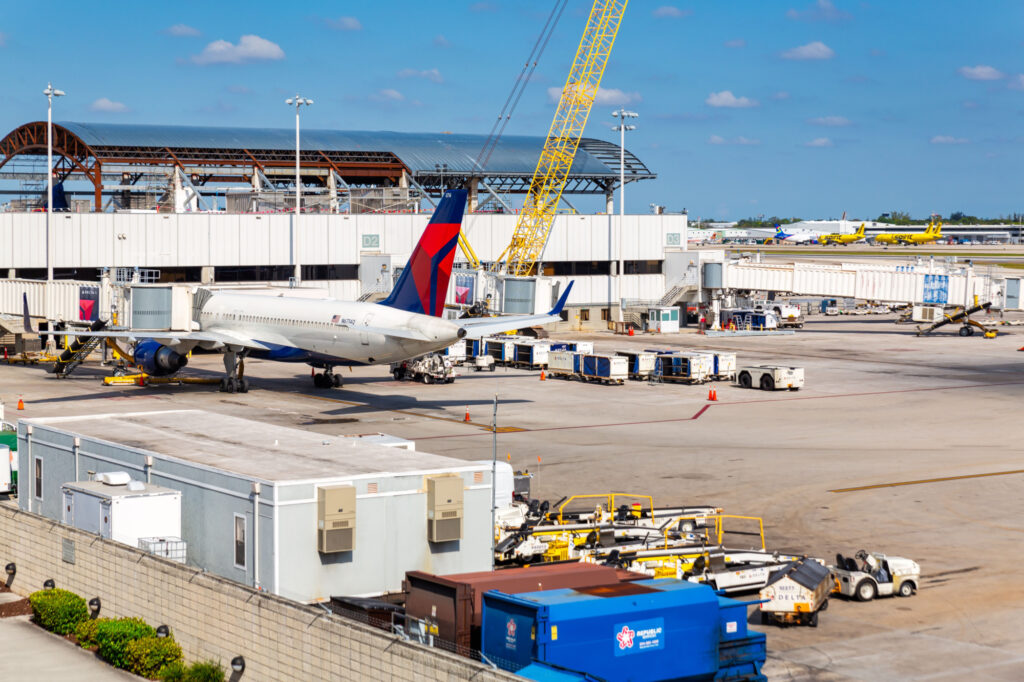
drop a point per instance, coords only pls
(423, 284)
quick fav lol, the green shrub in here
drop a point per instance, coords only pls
(57, 610)
(148, 656)
(86, 632)
(173, 672)
(114, 636)
(206, 671)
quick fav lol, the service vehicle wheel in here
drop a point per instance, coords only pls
(744, 380)
(767, 383)
(428, 378)
(494, 367)
(866, 590)
(906, 589)
(397, 374)
(813, 620)
(965, 331)
(765, 618)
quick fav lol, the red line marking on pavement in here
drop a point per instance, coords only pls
(703, 409)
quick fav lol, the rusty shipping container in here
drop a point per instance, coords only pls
(454, 602)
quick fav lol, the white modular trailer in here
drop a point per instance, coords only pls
(564, 363)
(124, 513)
(251, 497)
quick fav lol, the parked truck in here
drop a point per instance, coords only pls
(771, 377)
(788, 314)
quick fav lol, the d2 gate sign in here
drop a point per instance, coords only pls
(936, 289)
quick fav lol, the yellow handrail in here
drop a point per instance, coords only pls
(610, 497)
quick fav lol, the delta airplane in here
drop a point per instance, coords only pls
(328, 333)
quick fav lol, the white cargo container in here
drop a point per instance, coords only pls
(123, 510)
(564, 363)
(456, 352)
(702, 365)
(723, 364)
(585, 347)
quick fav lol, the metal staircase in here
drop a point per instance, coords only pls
(77, 352)
(688, 282)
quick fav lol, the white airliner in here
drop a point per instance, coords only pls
(328, 333)
(801, 237)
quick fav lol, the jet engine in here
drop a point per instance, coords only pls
(158, 360)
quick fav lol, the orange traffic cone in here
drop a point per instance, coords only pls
(21, 403)
(631, 331)
(466, 419)
(142, 380)
(714, 394)
(711, 394)
(542, 376)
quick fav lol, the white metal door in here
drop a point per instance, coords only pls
(69, 508)
(105, 519)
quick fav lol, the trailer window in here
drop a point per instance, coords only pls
(39, 478)
(239, 541)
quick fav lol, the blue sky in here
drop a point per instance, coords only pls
(803, 107)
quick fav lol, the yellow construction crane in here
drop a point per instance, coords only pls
(534, 225)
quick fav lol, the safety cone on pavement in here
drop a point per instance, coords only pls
(21, 403)
(631, 331)
(141, 380)
(542, 376)
(714, 394)
(466, 419)
(711, 394)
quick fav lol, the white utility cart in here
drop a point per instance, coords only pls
(867, 575)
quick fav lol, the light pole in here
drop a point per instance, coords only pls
(622, 115)
(50, 93)
(298, 102)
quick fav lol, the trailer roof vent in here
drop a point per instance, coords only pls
(136, 486)
(114, 477)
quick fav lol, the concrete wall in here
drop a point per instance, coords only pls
(214, 618)
(217, 239)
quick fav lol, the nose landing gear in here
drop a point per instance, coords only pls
(327, 379)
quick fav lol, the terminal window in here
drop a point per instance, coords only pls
(239, 541)
(584, 314)
(606, 315)
(39, 478)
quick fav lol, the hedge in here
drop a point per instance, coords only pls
(85, 633)
(148, 656)
(206, 671)
(58, 611)
(114, 636)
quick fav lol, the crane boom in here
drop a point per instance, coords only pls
(534, 225)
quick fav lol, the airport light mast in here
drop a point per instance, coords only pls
(50, 93)
(298, 102)
(622, 115)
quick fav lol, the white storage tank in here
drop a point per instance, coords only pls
(118, 508)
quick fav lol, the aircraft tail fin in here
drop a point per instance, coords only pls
(860, 230)
(423, 284)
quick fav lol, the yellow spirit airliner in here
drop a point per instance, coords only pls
(932, 233)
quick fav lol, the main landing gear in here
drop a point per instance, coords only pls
(327, 379)
(234, 368)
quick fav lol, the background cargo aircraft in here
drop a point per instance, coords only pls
(329, 333)
(932, 233)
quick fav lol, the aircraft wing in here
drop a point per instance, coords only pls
(480, 327)
(228, 338)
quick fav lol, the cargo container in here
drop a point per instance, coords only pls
(796, 593)
(531, 353)
(640, 631)
(639, 364)
(563, 363)
(607, 369)
(456, 352)
(578, 346)
(724, 364)
(501, 348)
(453, 602)
(683, 366)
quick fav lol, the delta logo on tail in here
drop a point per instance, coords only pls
(932, 233)
(423, 284)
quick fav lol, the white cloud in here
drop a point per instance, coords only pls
(345, 24)
(820, 142)
(821, 10)
(387, 95)
(830, 121)
(671, 12)
(182, 31)
(981, 72)
(780, 95)
(948, 139)
(108, 106)
(725, 98)
(432, 75)
(441, 41)
(1017, 82)
(738, 42)
(250, 48)
(815, 50)
(741, 140)
(605, 96)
